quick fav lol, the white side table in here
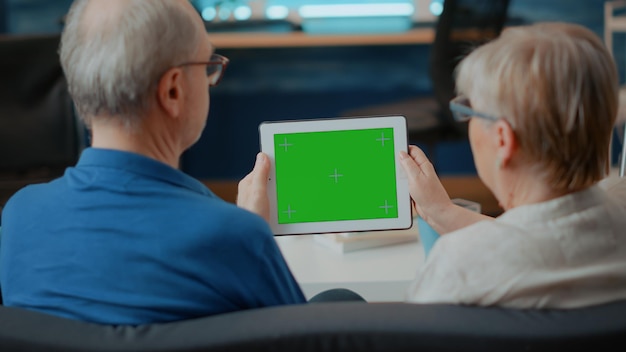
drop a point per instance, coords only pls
(380, 274)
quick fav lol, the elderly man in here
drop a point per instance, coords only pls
(124, 237)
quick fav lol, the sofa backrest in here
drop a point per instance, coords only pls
(345, 326)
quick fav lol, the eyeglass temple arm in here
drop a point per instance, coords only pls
(622, 164)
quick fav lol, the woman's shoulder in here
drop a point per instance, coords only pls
(483, 229)
(484, 234)
(614, 185)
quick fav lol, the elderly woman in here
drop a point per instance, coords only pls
(541, 102)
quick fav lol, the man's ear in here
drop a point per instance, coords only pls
(170, 93)
(506, 142)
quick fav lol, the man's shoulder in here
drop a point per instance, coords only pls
(222, 210)
(32, 192)
(220, 216)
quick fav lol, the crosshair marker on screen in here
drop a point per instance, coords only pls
(289, 211)
(386, 207)
(285, 144)
(382, 139)
(336, 176)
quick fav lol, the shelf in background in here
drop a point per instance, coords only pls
(246, 40)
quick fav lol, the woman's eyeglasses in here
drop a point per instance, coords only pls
(462, 111)
(215, 68)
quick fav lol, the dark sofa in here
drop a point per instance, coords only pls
(341, 326)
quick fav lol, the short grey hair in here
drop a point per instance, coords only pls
(557, 86)
(113, 67)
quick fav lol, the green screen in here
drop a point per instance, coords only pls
(335, 175)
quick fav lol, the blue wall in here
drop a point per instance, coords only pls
(35, 16)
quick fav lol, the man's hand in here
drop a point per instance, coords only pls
(252, 190)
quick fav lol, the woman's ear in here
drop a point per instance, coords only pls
(506, 142)
(170, 92)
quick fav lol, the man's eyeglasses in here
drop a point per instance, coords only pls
(215, 68)
(461, 110)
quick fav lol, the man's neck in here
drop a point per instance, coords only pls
(148, 139)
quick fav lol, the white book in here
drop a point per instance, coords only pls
(354, 241)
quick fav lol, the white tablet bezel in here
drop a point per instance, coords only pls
(267, 130)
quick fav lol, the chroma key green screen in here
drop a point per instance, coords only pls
(335, 175)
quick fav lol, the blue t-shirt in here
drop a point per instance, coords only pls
(125, 239)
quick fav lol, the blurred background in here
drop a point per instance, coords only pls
(267, 82)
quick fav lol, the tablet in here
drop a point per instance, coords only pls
(336, 175)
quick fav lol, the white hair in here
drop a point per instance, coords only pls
(113, 66)
(556, 84)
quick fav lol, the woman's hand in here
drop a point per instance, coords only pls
(428, 195)
(252, 190)
(430, 199)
